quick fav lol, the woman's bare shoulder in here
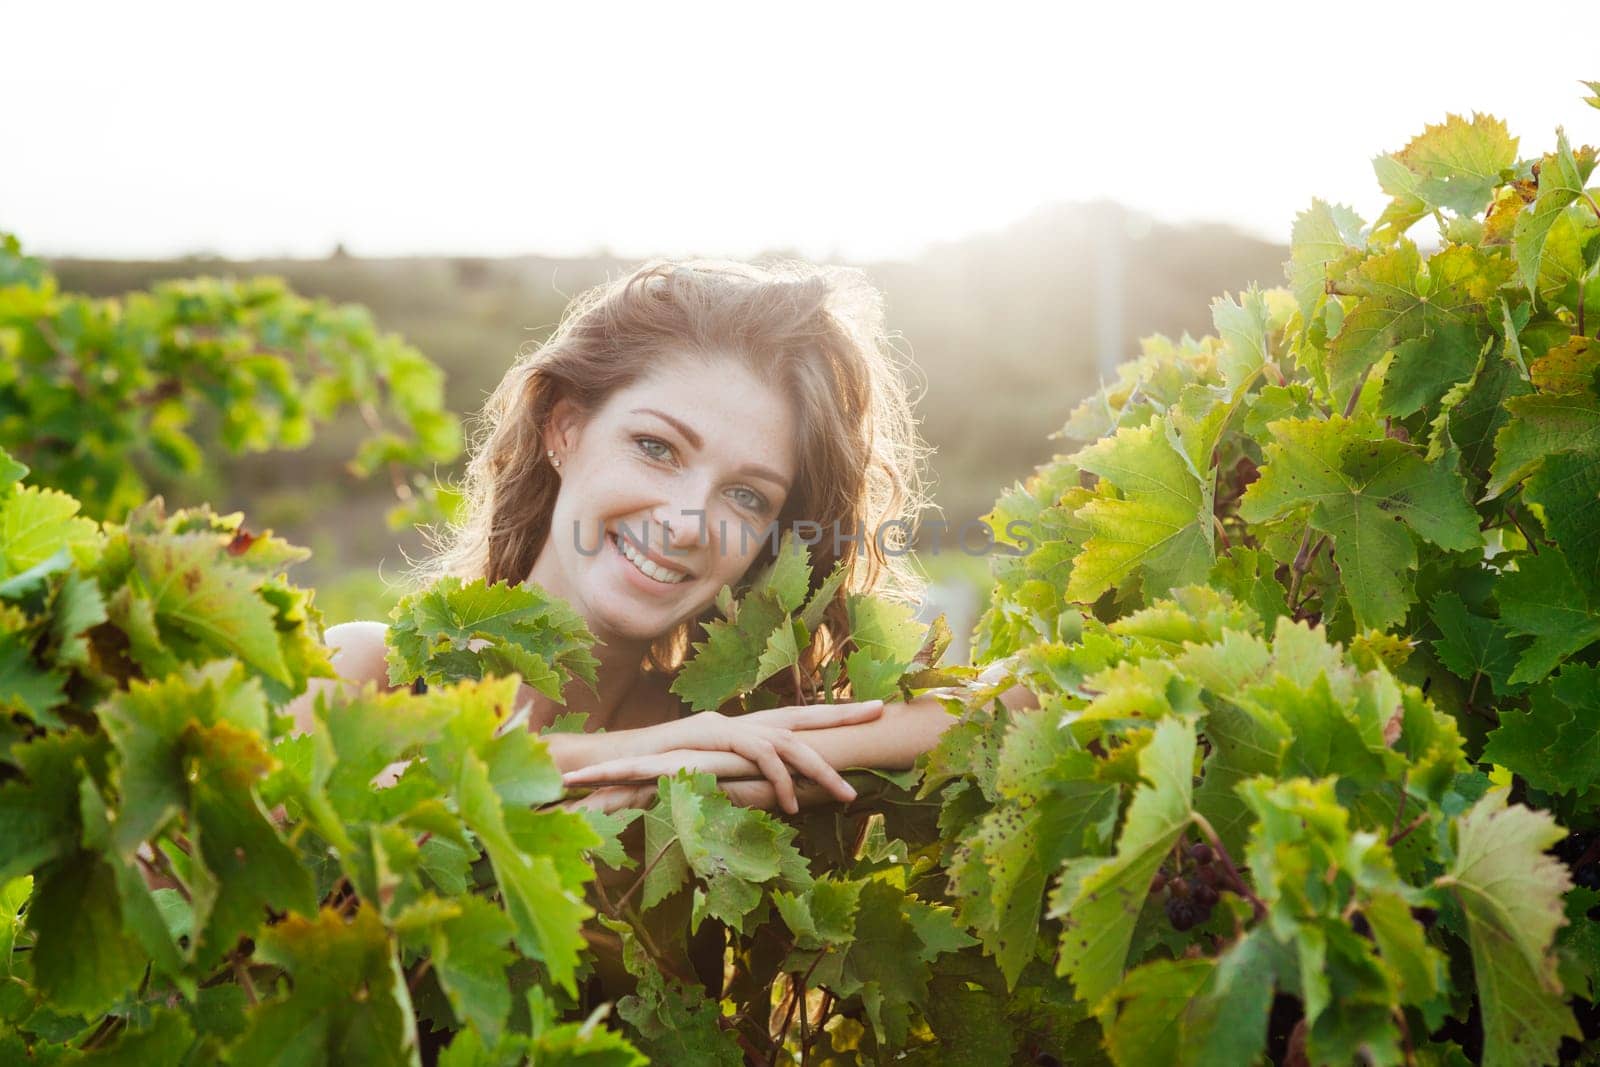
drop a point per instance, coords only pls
(360, 654)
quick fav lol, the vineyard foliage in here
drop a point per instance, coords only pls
(1310, 617)
(103, 398)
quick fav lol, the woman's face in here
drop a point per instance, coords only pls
(700, 447)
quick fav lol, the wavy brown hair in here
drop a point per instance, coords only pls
(814, 333)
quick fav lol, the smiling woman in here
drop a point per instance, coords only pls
(637, 462)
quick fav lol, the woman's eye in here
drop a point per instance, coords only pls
(645, 443)
(753, 500)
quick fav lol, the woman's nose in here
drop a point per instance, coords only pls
(680, 530)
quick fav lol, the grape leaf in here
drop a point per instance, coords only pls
(1542, 599)
(1194, 1012)
(37, 523)
(547, 914)
(1360, 487)
(1474, 647)
(1455, 165)
(1157, 524)
(454, 630)
(1242, 325)
(1051, 799)
(1511, 893)
(466, 939)
(1562, 175)
(206, 603)
(347, 1002)
(1555, 744)
(1324, 244)
(1100, 902)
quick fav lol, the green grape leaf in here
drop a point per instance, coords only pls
(787, 578)
(467, 941)
(83, 960)
(547, 913)
(673, 1024)
(37, 523)
(1242, 325)
(1510, 891)
(1100, 903)
(210, 606)
(1541, 599)
(455, 630)
(1562, 176)
(1476, 648)
(347, 1000)
(1324, 244)
(1542, 425)
(725, 664)
(1456, 165)
(1555, 744)
(1399, 300)
(695, 829)
(1052, 799)
(1194, 1012)
(1157, 524)
(1365, 491)
(888, 630)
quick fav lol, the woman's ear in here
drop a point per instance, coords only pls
(563, 427)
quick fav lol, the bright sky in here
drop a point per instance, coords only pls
(850, 129)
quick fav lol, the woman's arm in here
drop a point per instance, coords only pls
(892, 741)
(359, 655)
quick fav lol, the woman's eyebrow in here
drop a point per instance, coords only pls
(698, 442)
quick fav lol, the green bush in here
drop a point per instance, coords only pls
(1311, 621)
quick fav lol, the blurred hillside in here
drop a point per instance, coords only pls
(1008, 330)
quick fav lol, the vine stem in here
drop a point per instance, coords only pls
(797, 996)
(241, 971)
(1591, 203)
(1244, 890)
(783, 1027)
(417, 975)
(1302, 564)
(1400, 808)
(1395, 839)
(634, 888)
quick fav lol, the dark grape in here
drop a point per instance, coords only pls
(1205, 896)
(1201, 854)
(1359, 924)
(1211, 876)
(1183, 913)
(1425, 916)
(1159, 882)
(1588, 876)
(1178, 887)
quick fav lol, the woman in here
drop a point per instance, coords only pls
(631, 465)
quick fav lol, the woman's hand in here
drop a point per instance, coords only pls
(771, 740)
(613, 798)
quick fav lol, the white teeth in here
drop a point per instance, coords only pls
(648, 566)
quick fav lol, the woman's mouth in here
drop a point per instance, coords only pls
(644, 566)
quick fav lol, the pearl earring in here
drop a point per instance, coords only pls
(554, 462)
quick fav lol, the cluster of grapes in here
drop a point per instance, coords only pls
(1581, 852)
(1191, 897)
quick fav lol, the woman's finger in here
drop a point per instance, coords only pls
(764, 754)
(649, 768)
(612, 798)
(817, 716)
(809, 762)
